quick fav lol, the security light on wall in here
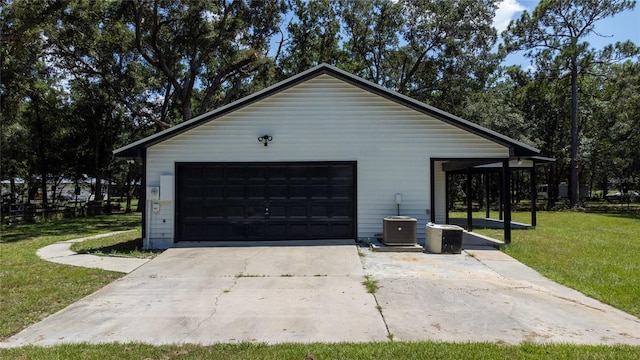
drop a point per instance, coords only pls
(153, 193)
(265, 139)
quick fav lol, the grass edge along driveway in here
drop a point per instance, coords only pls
(32, 288)
(596, 254)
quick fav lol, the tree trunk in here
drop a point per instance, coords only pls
(574, 190)
(128, 191)
(98, 195)
(12, 189)
(41, 150)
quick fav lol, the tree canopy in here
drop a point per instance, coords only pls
(80, 78)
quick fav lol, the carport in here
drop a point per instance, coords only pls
(504, 170)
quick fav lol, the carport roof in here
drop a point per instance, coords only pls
(517, 148)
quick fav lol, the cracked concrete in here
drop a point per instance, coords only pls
(193, 295)
(287, 292)
(491, 297)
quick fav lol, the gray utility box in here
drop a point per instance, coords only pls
(443, 239)
(399, 230)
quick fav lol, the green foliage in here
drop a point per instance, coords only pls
(218, 45)
(554, 34)
(314, 37)
(370, 284)
(612, 133)
(81, 78)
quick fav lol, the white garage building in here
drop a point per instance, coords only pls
(321, 155)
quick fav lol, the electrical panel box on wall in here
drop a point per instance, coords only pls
(153, 193)
(166, 187)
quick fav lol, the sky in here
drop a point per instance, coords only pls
(621, 27)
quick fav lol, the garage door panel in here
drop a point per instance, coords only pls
(298, 230)
(298, 190)
(212, 191)
(235, 210)
(278, 191)
(256, 192)
(213, 211)
(278, 210)
(220, 201)
(318, 191)
(320, 210)
(299, 211)
(342, 210)
(320, 229)
(255, 210)
(344, 228)
(341, 191)
(191, 191)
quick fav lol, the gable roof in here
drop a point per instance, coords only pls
(517, 148)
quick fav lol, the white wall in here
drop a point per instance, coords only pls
(325, 119)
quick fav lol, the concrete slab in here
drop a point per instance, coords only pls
(287, 292)
(460, 298)
(211, 295)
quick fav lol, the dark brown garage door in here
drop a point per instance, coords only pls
(265, 201)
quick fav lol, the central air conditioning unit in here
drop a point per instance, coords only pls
(399, 230)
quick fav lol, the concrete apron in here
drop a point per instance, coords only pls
(225, 294)
(485, 295)
(281, 293)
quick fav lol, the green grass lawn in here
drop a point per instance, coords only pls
(373, 351)
(596, 254)
(31, 288)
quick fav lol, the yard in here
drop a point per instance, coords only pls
(594, 253)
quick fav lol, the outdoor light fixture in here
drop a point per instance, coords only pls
(265, 139)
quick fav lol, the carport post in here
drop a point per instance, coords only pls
(486, 194)
(534, 195)
(506, 191)
(469, 202)
(501, 202)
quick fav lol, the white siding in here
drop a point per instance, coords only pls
(325, 119)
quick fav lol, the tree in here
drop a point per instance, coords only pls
(497, 107)
(204, 50)
(557, 29)
(314, 36)
(536, 95)
(372, 31)
(435, 51)
(31, 101)
(612, 140)
(449, 50)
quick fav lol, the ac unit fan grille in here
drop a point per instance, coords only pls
(399, 231)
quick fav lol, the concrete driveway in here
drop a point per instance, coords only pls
(485, 295)
(225, 294)
(288, 293)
